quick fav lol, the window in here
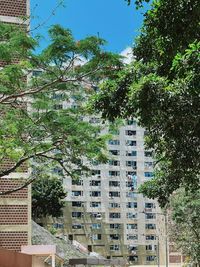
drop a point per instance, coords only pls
(148, 154)
(131, 194)
(58, 106)
(114, 142)
(95, 183)
(131, 205)
(131, 226)
(77, 182)
(150, 205)
(58, 225)
(96, 172)
(57, 170)
(77, 204)
(132, 164)
(148, 164)
(77, 226)
(150, 237)
(95, 193)
(74, 106)
(96, 226)
(131, 215)
(114, 194)
(131, 122)
(130, 132)
(132, 237)
(115, 226)
(129, 184)
(77, 214)
(114, 215)
(150, 215)
(114, 173)
(96, 237)
(114, 183)
(131, 143)
(151, 258)
(113, 131)
(150, 226)
(133, 258)
(132, 248)
(114, 205)
(114, 237)
(114, 248)
(148, 174)
(94, 120)
(114, 152)
(114, 162)
(96, 215)
(95, 162)
(130, 173)
(131, 153)
(36, 73)
(77, 193)
(95, 204)
(57, 96)
(151, 248)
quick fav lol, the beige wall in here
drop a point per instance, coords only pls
(38, 262)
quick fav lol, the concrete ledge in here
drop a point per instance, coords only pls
(13, 201)
(14, 228)
(14, 20)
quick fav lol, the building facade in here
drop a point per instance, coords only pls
(15, 208)
(106, 213)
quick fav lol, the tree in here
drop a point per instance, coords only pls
(161, 89)
(33, 88)
(138, 3)
(47, 197)
(185, 230)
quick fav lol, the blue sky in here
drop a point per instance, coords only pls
(116, 22)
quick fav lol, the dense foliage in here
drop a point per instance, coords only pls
(185, 230)
(42, 100)
(161, 89)
(47, 197)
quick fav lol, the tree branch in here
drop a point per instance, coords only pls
(59, 160)
(7, 99)
(22, 160)
(29, 181)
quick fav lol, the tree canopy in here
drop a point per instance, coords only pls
(42, 98)
(47, 197)
(185, 229)
(161, 89)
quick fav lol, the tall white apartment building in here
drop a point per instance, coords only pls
(106, 213)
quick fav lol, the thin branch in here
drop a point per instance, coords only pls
(29, 181)
(13, 168)
(59, 160)
(26, 93)
(6, 99)
(22, 160)
(159, 160)
(48, 18)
